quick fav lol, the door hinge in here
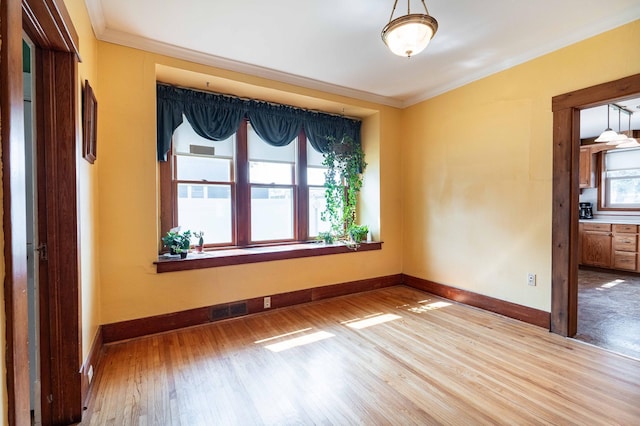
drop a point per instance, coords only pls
(42, 250)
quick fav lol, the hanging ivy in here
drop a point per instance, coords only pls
(345, 164)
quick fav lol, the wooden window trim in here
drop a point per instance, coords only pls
(602, 188)
(257, 254)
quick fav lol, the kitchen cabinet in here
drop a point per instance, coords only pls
(596, 244)
(625, 247)
(607, 245)
(587, 175)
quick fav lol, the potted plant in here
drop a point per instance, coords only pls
(200, 244)
(327, 237)
(358, 233)
(178, 243)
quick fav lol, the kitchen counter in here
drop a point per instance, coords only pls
(618, 220)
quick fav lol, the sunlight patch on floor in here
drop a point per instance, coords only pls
(371, 320)
(611, 284)
(429, 307)
(281, 336)
(299, 341)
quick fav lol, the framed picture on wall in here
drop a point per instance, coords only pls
(89, 123)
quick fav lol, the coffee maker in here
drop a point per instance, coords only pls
(586, 212)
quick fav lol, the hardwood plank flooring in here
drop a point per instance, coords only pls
(389, 356)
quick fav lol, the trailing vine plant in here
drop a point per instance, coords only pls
(345, 164)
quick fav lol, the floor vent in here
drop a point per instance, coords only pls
(219, 312)
(228, 311)
(238, 309)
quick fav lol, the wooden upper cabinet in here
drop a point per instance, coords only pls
(586, 168)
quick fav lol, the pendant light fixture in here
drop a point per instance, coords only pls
(610, 136)
(629, 142)
(409, 34)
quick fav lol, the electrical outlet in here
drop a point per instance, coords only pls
(531, 279)
(267, 302)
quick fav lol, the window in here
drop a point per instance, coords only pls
(315, 182)
(621, 179)
(243, 191)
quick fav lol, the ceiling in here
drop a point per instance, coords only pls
(335, 45)
(593, 121)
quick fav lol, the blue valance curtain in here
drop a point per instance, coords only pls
(216, 117)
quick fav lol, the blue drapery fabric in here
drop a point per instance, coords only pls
(216, 117)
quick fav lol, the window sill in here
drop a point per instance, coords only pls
(241, 256)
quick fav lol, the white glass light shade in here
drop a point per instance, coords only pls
(628, 143)
(616, 139)
(610, 136)
(410, 34)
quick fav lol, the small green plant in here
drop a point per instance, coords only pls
(177, 242)
(327, 237)
(200, 237)
(358, 233)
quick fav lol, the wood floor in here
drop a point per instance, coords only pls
(391, 356)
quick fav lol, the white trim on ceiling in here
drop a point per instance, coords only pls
(586, 32)
(105, 34)
(153, 46)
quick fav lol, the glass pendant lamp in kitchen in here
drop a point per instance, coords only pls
(610, 135)
(629, 142)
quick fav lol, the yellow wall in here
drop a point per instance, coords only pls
(477, 171)
(464, 184)
(88, 212)
(128, 193)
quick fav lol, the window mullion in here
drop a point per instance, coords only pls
(243, 191)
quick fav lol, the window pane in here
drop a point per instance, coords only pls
(622, 176)
(197, 191)
(624, 191)
(315, 176)
(271, 173)
(271, 214)
(622, 159)
(212, 215)
(203, 168)
(261, 150)
(317, 204)
(314, 158)
(184, 137)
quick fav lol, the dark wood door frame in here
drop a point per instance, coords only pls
(14, 209)
(566, 151)
(49, 27)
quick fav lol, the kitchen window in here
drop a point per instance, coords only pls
(620, 179)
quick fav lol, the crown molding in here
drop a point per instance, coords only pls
(603, 25)
(173, 51)
(103, 33)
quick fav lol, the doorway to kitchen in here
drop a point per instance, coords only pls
(609, 273)
(566, 194)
